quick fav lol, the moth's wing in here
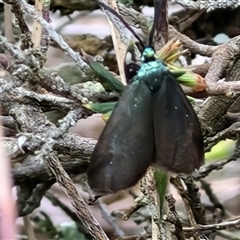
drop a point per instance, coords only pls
(125, 148)
(177, 131)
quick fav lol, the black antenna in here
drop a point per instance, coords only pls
(103, 5)
(163, 20)
(160, 21)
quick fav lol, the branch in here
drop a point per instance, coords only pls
(77, 201)
(229, 89)
(173, 217)
(191, 45)
(223, 59)
(207, 169)
(141, 21)
(212, 227)
(209, 5)
(7, 206)
(53, 35)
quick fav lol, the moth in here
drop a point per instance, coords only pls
(152, 123)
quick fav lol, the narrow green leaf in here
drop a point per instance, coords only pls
(161, 179)
(105, 76)
(187, 79)
(106, 116)
(194, 100)
(178, 73)
(100, 107)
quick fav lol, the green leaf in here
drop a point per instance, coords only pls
(161, 179)
(178, 73)
(104, 75)
(221, 150)
(101, 107)
(106, 116)
(70, 231)
(187, 79)
(194, 100)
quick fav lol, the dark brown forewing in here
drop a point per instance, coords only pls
(125, 148)
(178, 135)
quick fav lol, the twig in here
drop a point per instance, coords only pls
(52, 136)
(15, 52)
(211, 113)
(29, 228)
(191, 45)
(212, 227)
(39, 173)
(8, 26)
(7, 206)
(231, 132)
(223, 88)
(26, 38)
(222, 59)
(109, 218)
(26, 219)
(144, 23)
(206, 170)
(212, 197)
(46, 16)
(209, 5)
(76, 200)
(136, 237)
(195, 200)
(148, 189)
(56, 202)
(191, 200)
(30, 196)
(54, 35)
(189, 20)
(37, 28)
(178, 184)
(139, 202)
(173, 217)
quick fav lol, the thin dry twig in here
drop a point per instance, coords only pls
(209, 5)
(29, 228)
(139, 202)
(213, 227)
(37, 27)
(8, 23)
(173, 217)
(7, 205)
(140, 20)
(107, 216)
(54, 35)
(76, 200)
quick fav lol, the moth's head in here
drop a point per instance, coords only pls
(148, 55)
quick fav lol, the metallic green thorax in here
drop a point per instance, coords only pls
(150, 70)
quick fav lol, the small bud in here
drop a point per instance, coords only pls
(200, 83)
(171, 51)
